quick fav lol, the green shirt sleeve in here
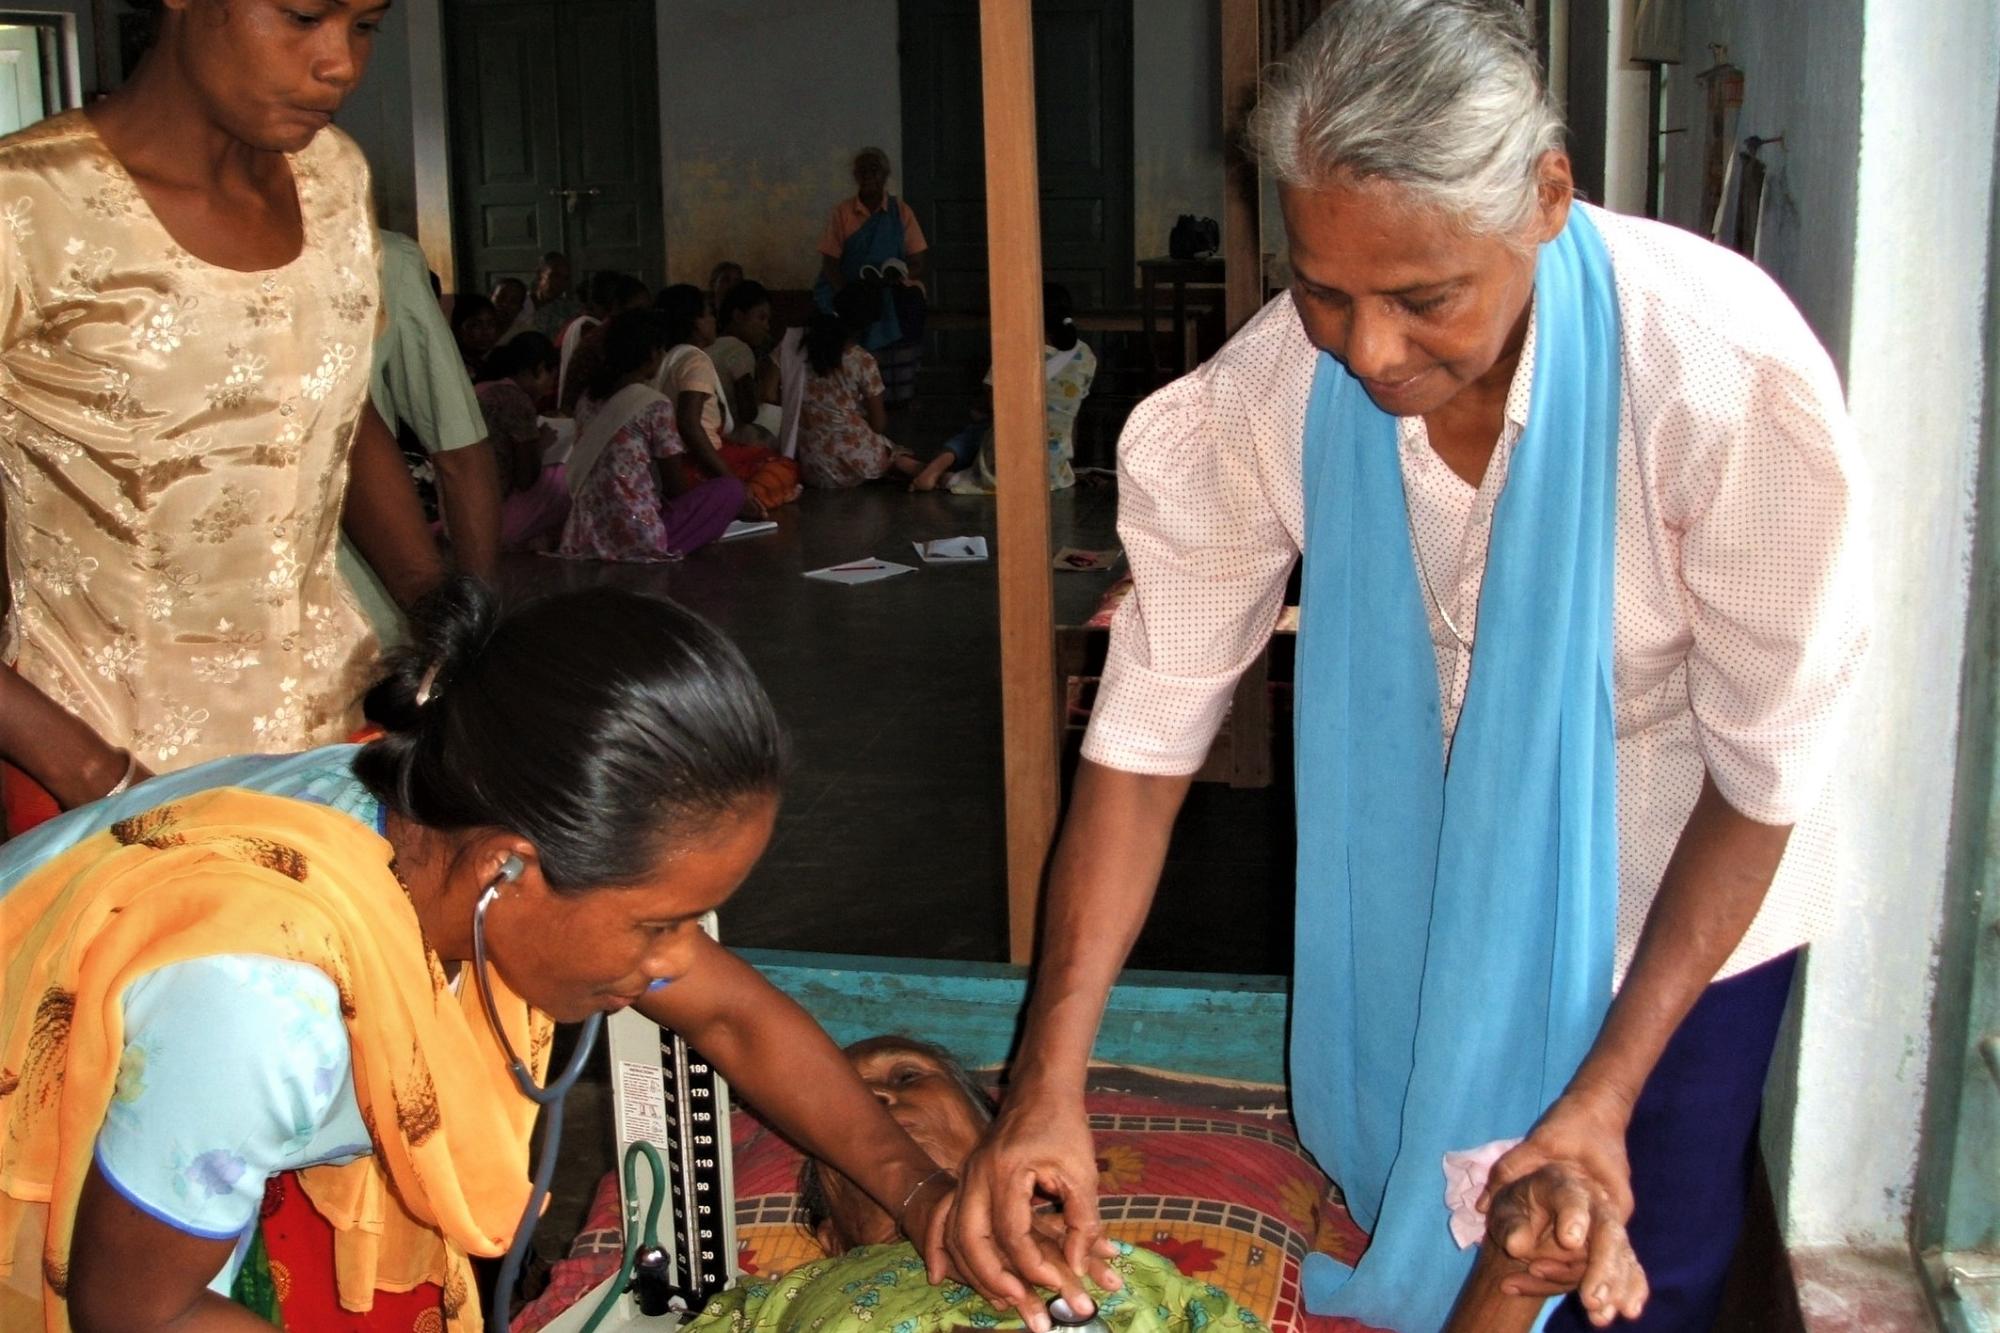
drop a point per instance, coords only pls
(419, 379)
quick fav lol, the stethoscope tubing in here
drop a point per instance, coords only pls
(551, 1098)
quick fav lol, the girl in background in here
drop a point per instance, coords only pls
(521, 372)
(841, 443)
(966, 464)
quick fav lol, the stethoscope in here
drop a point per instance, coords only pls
(550, 1098)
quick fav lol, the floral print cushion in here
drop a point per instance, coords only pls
(1227, 1195)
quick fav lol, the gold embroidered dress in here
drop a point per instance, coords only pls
(174, 440)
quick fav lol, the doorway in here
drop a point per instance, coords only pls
(37, 68)
(555, 137)
(1083, 124)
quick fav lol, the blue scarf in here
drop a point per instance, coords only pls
(1454, 929)
(879, 238)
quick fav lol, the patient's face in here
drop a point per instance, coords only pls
(922, 1097)
(931, 1107)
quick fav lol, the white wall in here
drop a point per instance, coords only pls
(762, 105)
(1626, 116)
(1802, 64)
(1176, 117)
(1920, 255)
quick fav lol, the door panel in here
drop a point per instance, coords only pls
(555, 137)
(611, 137)
(506, 156)
(1083, 134)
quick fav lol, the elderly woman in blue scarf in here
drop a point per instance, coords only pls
(1582, 603)
(873, 237)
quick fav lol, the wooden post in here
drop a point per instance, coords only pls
(1020, 438)
(1242, 193)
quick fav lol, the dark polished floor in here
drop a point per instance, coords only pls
(890, 840)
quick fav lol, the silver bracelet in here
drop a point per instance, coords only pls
(915, 1190)
(131, 771)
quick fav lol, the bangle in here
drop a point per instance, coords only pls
(131, 771)
(915, 1190)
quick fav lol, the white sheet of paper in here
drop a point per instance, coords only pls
(860, 571)
(952, 550)
(747, 527)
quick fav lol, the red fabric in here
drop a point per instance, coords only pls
(26, 801)
(768, 475)
(300, 1243)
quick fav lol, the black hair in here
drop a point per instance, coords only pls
(855, 307)
(630, 338)
(603, 726)
(745, 295)
(525, 351)
(812, 1205)
(1058, 317)
(610, 290)
(511, 282)
(681, 306)
(723, 266)
(468, 306)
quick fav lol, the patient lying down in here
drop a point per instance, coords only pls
(875, 1282)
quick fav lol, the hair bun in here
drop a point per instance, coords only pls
(448, 628)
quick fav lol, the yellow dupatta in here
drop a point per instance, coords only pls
(231, 871)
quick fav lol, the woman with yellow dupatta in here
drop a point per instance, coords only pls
(256, 969)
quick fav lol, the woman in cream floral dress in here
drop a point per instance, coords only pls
(188, 274)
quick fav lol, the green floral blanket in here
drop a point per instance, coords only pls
(881, 1289)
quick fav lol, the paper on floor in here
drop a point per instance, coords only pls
(952, 550)
(860, 571)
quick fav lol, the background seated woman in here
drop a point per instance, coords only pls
(257, 968)
(630, 497)
(702, 407)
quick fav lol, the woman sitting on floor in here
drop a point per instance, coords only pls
(743, 325)
(966, 464)
(933, 1099)
(521, 372)
(841, 421)
(688, 378)
(630, 499)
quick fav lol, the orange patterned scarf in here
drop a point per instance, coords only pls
(231, 871)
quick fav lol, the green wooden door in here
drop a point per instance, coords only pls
(555, 137)
(1083, 122)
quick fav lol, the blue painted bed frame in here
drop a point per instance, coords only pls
(1212, 1025)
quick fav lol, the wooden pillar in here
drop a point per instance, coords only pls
(1242, 241)
(1027, 609)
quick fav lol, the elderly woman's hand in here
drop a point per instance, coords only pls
(1559, 1203)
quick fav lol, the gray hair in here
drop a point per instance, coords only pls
(1442, 98)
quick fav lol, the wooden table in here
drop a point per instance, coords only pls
(1205, 275)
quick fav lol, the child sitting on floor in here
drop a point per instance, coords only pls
(521, 372)
(842, 418)
(966, 464)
